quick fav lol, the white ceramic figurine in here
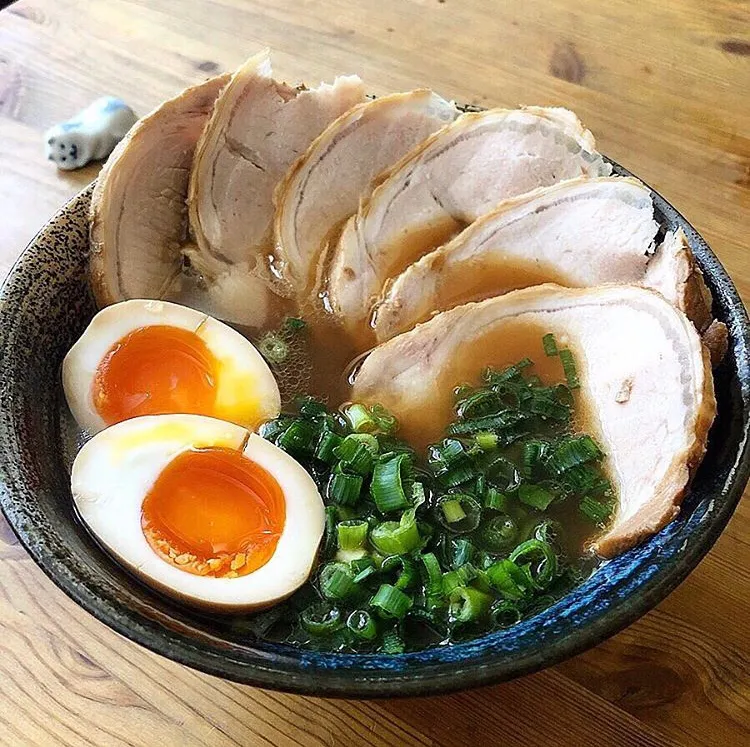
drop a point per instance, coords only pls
(91, 134)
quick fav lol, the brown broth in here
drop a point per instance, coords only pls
(491, 276)
(415, 244)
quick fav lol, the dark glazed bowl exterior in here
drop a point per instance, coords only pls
(45, 304)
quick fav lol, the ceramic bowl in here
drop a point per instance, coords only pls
(45, 304)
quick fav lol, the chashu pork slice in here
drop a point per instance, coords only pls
(646, 384)
(578, 233)
(138, 211)
(674, 272)
(259, 127)
(325, 186)
(454, 177)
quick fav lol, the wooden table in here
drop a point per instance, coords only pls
(666, 89)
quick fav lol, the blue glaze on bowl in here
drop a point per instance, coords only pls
(44, 306)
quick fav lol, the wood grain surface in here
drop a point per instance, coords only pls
(664, 86)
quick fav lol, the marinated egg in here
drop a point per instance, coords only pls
(201, 509)
(152, 357)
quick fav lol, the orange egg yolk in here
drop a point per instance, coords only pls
(155, 370)
(214, 512)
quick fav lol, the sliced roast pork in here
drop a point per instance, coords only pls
(578, 233)
(457, 175)
(325, 186)
(138, 211)
(258, 129)
(674, 272)
(643, 371)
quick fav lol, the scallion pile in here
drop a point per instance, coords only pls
(445, 546)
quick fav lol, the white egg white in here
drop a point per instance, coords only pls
(246, 390)
(115, 470)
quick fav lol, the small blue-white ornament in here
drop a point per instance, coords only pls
(90, 135)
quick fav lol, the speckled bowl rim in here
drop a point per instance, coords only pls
(658, 567)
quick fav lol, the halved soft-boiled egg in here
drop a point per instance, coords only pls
(144, 357)
(201, 509)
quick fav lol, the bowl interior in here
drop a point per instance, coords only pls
(45, 305)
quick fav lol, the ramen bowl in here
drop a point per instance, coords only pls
(46, 303)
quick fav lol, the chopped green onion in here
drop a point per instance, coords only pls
(534, 451)
(486, 440)
(449, 453)
(548, 530)
(573, 451)
(408, 574)
(549, 344)
(491, 376)
(361, 624)
(310, 408)
(321, 619)
(343, 488)
(481, 403)
(506, 419)
(508, 579)
(460, 577)
(337, 581)
(397, 537)
(433, 576)
(297, 438)
(499, 533)
(385, 422)
(388, 480)
(393, 643)
(504, 613)
(458, 476)
(390, 601)
(585, 479)
(329, 536)
(495, 500)
(482, 582)
(594, 510)
(418, 495)
(360, 419)
(294, 324)
(326, 446)
(357, 452)
(535, 496)
(541, 558)
(569, 367)
(502, 473)
(273, 348)
(452, 511)
(352, 534)
(349, 556)
(363, 568)
(468, 605)
(451, 519)
(271, 429)
(463, 552)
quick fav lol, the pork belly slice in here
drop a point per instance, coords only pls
(454, 177)
(578, 233)
(645, 376)
(325, 186)
(259, 127)
(138, 212)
